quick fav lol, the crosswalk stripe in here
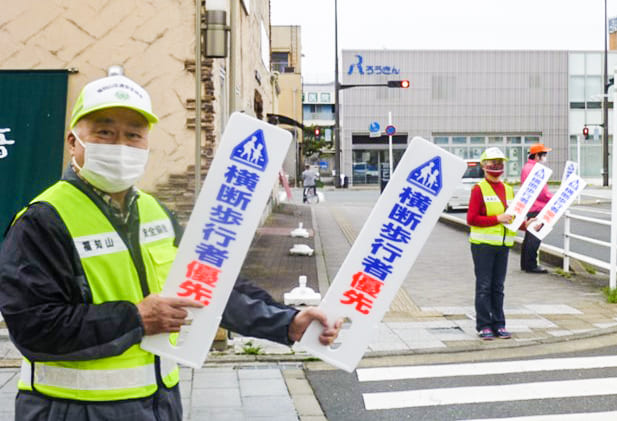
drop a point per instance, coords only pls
(477, 369)
(587, 416)
(483, 394)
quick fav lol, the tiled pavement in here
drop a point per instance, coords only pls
(436, 315)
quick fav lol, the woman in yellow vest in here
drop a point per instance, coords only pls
(490, 244)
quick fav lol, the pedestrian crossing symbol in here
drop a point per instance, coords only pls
(428, 176)
(252, 151)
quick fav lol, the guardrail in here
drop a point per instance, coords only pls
(567, 253)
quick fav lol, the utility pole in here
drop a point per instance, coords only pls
(605, 108)
(337, 117)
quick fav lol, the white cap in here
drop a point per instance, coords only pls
(492, 153)
(113, 91)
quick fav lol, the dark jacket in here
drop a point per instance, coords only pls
(47, 306)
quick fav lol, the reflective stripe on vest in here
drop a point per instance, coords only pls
(111, 276)
(496, 235)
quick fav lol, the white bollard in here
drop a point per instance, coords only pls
(301, 250)
(302, 295)
(300, 231)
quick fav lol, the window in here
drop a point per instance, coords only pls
(440, 140)
(280, 60)
(324, 97)
(593, 64)
(312, 97)
(576, 64)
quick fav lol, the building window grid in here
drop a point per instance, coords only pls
(471, 147)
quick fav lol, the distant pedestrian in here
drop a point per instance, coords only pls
(531, 243)
(490, 244)
(308, 181)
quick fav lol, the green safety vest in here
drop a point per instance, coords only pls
(496, 235)
(112, 276)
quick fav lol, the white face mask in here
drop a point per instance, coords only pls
(543, 159)
(111, 168)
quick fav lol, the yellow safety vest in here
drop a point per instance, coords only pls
(496, 235)
(112, 276)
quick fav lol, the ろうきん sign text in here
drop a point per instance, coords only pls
(220, 230)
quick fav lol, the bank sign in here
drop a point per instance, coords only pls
(360, 66)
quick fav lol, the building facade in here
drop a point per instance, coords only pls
(466, 101)
(285, 64)
(318, 112)
(155, 44)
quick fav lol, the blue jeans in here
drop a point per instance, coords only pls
(490, 267)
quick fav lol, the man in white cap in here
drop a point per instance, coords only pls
(490, 244)
(79, 278)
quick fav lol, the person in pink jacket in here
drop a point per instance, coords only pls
(531, 244)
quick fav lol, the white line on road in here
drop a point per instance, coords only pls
(483, 394)
(587, 416)
(479, 369)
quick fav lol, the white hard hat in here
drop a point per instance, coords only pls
(492, 153)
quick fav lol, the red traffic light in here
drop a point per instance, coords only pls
(586, 132)
(398, 84)
(317, 131)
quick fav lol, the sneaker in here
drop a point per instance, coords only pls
(486, 334)
(502, 333)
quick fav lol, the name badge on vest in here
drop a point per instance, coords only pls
(491, 199)
(99, 244)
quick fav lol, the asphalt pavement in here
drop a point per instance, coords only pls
(253, 379)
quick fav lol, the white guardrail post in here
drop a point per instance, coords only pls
(613, 174)
(566, 242)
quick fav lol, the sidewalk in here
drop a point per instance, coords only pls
(433, 313)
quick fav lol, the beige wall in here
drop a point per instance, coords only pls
(288, 39)
(152, 42)
(248, 64)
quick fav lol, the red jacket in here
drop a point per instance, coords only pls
(476, 212)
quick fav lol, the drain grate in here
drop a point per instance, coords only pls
(442, 330)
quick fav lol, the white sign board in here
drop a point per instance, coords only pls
(220, 230)
(570, 168)
(557, 206)
(527, 195)
(385, 250)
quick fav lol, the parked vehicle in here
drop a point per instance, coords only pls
(473, 175)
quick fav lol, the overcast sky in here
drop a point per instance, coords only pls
(440, 24)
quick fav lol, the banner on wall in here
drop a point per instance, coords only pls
(32, 119)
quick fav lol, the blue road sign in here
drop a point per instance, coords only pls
(374, 127)
(390, 130)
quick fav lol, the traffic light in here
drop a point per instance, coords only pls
(586, 132)
(398, 84)
(317, 132)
